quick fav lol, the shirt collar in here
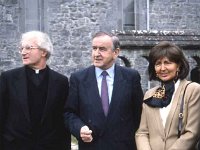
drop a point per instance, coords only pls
(36, 71)
(110, 71)
(176, 85)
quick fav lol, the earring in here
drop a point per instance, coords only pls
(177, 72)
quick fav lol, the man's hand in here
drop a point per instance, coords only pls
(86, 134)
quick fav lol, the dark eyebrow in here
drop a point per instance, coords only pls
(101, 47)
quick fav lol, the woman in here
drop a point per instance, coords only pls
(158, 128)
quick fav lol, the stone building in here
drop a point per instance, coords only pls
(140, 24)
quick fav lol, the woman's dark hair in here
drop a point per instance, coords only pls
(173, 53)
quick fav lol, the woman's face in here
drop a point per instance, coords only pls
(165, 69)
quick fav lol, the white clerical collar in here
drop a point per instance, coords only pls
(37, 71)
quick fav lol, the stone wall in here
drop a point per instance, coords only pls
(174, 15)
(135, 46)
(9, 17)
(71, 24)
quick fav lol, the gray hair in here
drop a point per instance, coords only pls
(115, 39)
(42, 40)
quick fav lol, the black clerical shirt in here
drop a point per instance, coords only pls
(37, 85)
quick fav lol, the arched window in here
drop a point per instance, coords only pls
(128, 15)
(32, 12)
(135, 14)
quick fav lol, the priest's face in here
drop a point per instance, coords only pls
(32, 55)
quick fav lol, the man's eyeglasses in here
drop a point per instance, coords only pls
(27, 48)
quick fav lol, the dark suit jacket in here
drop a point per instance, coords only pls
(15, 125)
(199, 145)
(116, 131)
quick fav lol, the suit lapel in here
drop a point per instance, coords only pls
(52, 84)
(92, 92)
(117, 96)
(119, 82)
(20, 85)
(174, 106)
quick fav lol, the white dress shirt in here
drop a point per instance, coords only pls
(165, 110)
(109, 79)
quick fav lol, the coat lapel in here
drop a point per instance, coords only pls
(156, 112)
(117, 96)
(51, 93)
(175, 102)
(92, 92)
(119, 82)
(20, 85)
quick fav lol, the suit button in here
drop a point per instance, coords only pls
(89, 121)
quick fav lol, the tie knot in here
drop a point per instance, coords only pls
(104, 73)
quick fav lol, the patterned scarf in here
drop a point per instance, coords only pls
(162, 96)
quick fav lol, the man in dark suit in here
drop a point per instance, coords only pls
(100, 125)
(32, 100)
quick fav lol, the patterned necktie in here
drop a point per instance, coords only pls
(104, 93)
